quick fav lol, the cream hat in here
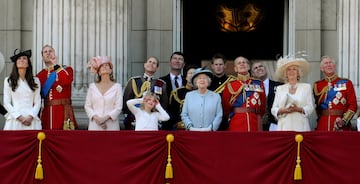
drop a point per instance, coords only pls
(283, 63)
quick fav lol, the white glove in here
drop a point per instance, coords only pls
(207, 129)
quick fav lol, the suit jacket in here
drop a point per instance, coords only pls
(168, 125)
(270, 100)
(167, 79)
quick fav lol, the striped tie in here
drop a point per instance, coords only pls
(176, 82)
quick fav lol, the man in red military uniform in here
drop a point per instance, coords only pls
(56, 81)
(335, 98)
(244, 100)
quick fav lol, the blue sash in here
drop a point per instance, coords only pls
(48, 84)
(330, 95)
(240, 100)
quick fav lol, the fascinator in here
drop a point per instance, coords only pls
(95, 63)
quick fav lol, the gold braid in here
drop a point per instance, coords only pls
(234, 94)
(321, 93)
(221, 88)
(144, 87)
(176, 97)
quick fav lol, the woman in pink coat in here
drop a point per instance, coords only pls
(104, 98)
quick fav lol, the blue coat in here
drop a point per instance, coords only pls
(202, 110)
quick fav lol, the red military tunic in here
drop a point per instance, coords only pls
(244, 102)
(335, 97)
(57, 104)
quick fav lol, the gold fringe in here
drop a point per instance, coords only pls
(298, 172)
(169, 169)
(39, 174)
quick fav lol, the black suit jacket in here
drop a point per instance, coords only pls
(167, 79)
(168, 125)
(270, 101)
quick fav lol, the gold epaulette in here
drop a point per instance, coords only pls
(221, 88)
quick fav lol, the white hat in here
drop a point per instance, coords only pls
(283, 63)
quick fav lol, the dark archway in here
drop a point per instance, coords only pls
(250, 28)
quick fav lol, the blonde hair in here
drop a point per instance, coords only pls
(301, 74)
(149, 96)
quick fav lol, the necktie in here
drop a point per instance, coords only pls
(176, 82)
(147, 78)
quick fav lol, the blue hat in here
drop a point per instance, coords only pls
(15, 57)
(201, 71)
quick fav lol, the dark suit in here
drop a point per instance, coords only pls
(269, 102)
(168, 125)
(167, 79)
(3, 111)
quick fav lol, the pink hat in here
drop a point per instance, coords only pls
(97, 61)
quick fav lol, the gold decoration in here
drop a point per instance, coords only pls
(234, 94)
(39, 174)
(348, 115)
(298, 173)
(169, 169)
(321, 93)
(59, 88)
(221, 88)
(144, 87)
(175, 94)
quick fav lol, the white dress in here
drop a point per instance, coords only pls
(108, 104)
(145, 120)
(303, 98)
(23, 101)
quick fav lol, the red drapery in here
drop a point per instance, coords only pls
(197, 157)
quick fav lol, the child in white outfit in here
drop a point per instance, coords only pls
(149, 114)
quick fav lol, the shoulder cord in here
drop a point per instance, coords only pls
(144, 87)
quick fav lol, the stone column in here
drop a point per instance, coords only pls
(79, 30)
(348, 39)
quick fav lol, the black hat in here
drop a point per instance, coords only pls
(26, 53)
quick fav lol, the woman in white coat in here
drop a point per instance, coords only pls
(293, 101)
(104, 98)
(22, 95)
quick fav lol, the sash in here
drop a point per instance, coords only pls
(330, 95)
(245, 94)
(48, 84)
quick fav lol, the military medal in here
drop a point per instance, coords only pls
(336, 101)
(59, 88)
(157, 90)
(338, 95)
(253, 101)
(343, 101)
(256, 95)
